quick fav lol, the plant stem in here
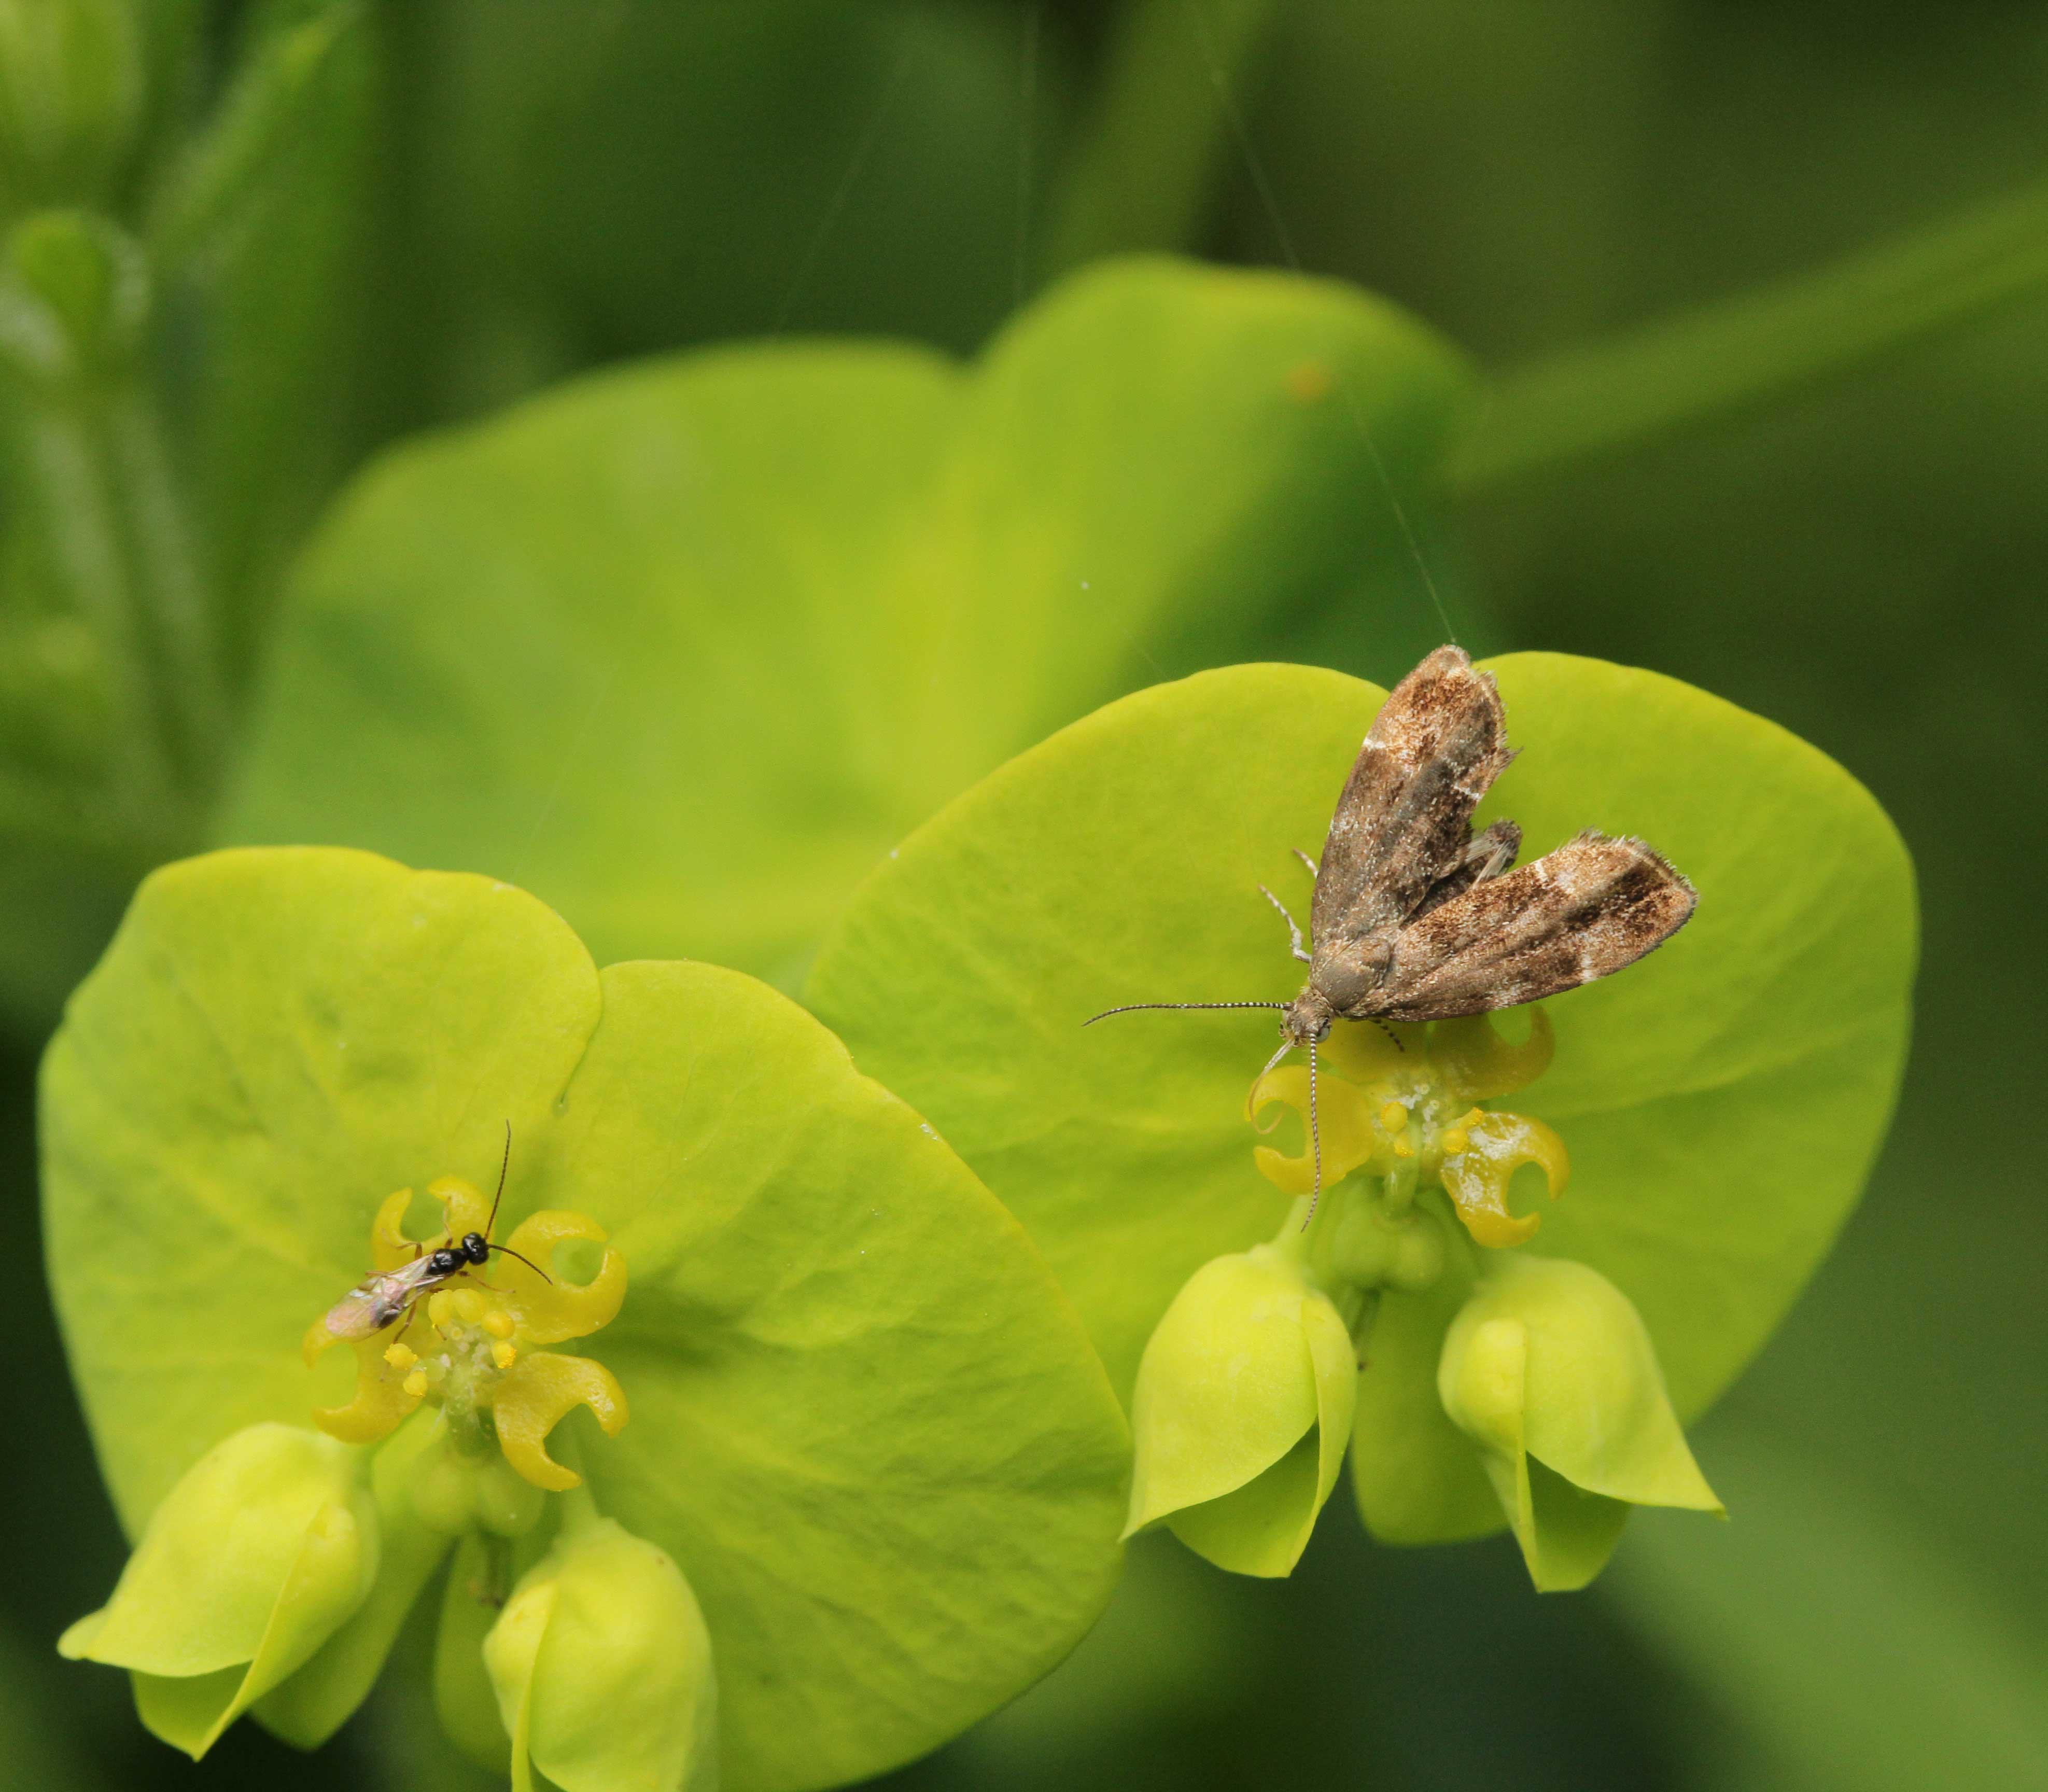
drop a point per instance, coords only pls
(580, 1510)
(78, 512)
(166, 555)
(1140, 175)
(1704, 364)
(221, 171)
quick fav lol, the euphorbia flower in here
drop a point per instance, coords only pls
(1716, 1107)
(826, 1307)
(1400, 1107)
(1217, 1444)
(478, 1355)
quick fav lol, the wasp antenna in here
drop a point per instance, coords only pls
(504, 1164)
(1132, 1008)
(1315, 1140)
(528, 1261)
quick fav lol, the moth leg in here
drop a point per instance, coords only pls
(1315, 871)
(1293, 931)
(1495, 847)
(1488, 854)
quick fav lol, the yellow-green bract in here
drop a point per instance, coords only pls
(866, 1425)
(1721, 1100)
(679, 642)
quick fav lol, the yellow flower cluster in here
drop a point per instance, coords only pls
(1404, 1109)
(474, 1348)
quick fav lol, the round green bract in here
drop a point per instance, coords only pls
(1722, 1099)
(686, 648)
(865, 1422)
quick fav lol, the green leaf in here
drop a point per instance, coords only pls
(1721, 1100)
(222, 171)
(1620, 394)
(681, 650)
(274, 199)
(864, 1422)
(1142, 170)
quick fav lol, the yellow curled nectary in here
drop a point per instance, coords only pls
(1476, 1178)
(536, 1393)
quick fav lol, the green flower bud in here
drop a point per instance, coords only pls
(1549, 1369)
(316, 1701)
(603, 1669)
(454, 1493)
(1242, 1412)
(252, 1561)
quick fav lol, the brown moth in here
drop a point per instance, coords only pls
(1417, 918)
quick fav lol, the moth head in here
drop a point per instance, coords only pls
(1306, 1020)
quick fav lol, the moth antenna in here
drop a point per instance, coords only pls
(1315, 1140)
(1388, 1031)
(504, 1165)
(528, 1261)
(1131, 1007)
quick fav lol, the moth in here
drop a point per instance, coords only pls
(1415, 917)
(384, 1296)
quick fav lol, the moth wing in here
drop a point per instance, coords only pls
(1583, 911)
(1404, 821)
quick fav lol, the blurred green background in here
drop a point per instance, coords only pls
(461, 201)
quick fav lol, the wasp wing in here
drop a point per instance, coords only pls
(1583, 911)
(374, 1302)
(1404, 822)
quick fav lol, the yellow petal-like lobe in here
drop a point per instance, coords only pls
(467, 1209)
(382, 1397)
(547, 1308)
(1479, 1064)
(1365, 1052)
(317, 1341)
(537, 1393)
(1476, 1178)
(390, 1248)
(463, 1209)
(1344, 1115)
